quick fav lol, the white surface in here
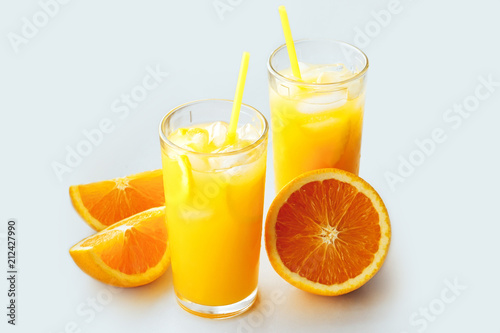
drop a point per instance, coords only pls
(429, 57)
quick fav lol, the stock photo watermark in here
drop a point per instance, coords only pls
(363, 36)
(11, 238)
(202, 199)
(263, 311)
(453, 117)
(380, 20)
(120, 108)
(222, 7)
(420, 319)
(31, 26)
(88, 310)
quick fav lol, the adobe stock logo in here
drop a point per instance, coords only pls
(425, 315)
(381, 19)
(88, 310)
(121, 108)
(454, 117)
(264, 310)
(223, 6)
(30, 27)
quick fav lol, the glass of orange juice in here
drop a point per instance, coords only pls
(214, 195)
(317, 120)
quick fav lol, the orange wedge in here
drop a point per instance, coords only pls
(103, 203)
(327, 232)
(130, 253)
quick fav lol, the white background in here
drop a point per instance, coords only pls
(444, 215)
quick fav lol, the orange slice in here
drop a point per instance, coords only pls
(103, 203)
(327, 232)
(130, 253)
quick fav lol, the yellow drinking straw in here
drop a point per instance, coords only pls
(238, 96)
(289, 43)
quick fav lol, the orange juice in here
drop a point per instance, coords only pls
(315, 129)
(214, 194)
(316, 119)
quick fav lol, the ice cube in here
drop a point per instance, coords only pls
(195, 139)
(179, 137)
(334, 73)
(330, 77)
(227, 161)
(232, 161)
(336, 68)
(198, 163)
(239, 173)
(289, 89)
(303, 68)
(311, 74)
(327, 73)
(286, 90)
(217, 133)
(248, 132)
(198, 139)
(324, 101)
(355, 88)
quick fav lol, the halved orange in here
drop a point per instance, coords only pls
(103, 203)
(327, 232)
(130, 253)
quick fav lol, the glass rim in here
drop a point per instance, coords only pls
(277, 74)
(251, 146)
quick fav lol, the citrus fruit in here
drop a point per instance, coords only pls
(130, 253)
(103, 203)
(327, 232)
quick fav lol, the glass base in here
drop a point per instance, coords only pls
(217, 312)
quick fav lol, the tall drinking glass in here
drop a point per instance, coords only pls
(317, 120)
(214, 205)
